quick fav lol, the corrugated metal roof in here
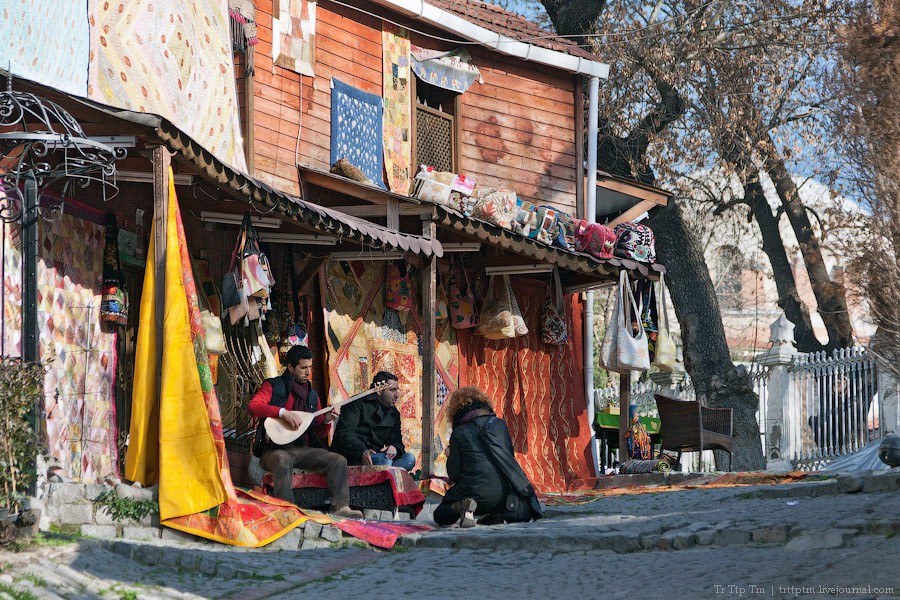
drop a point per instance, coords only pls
(315, 217)
(577, 262)
(318, 218)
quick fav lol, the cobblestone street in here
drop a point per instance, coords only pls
(834, 538)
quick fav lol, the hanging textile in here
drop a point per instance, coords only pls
(449, 70)
(47, 42)
(182, 447)
(243, 29)
(294, 35)
(78, 352)
(539, 391)
(11, 265)
(356, 130)
(169, 58)
(360, 343)
(397, 115)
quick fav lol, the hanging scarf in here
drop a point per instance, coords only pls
(243, 29)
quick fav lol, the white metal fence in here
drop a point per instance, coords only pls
(826, 406)
(839, 405)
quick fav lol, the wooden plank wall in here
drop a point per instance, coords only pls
(518, 128)
(346, 48)
(518, 131)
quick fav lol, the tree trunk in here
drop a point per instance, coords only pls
(788, 296)
(831, 296)
(717, 381)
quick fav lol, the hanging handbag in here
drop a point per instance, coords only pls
(666, 351)
(554, 329)
(496, 321)
(646, 294)
(255, 270)
(213, 336)
(232, 284)
(518, 319)
(631, 345)
(398, 294)
(609, 356)
(623, 350)
(461, 300)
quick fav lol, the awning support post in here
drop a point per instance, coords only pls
(429, 384)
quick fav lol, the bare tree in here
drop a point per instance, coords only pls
(713, 82)
(870, 87)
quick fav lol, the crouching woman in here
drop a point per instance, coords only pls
(487, 480)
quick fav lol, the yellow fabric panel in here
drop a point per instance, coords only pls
(142, 458)
(190, 479)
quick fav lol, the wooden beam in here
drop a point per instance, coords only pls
(381, 210)
(636, 191)
(351, 188)
(633, 212)
(429, 383)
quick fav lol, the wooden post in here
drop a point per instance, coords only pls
(624, 410)
(161, 159)
(429, 385)
(393, 214)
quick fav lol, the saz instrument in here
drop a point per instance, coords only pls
(281, 434)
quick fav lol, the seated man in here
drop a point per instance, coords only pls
(368, 432)
(275, 398)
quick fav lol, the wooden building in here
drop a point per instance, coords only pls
(517, 123)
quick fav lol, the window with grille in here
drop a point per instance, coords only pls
(434, 138)
(435, 125)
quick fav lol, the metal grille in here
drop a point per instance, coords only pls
(434, 139)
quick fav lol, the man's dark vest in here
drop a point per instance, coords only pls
(280, 394)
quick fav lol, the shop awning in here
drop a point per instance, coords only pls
(583, 269)
(318, 218)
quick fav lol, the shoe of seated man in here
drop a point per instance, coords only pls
(465, 508)
(345, 512)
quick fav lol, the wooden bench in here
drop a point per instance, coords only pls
(687, 425)
(378, 487)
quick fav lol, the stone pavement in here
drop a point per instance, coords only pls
(835, 538)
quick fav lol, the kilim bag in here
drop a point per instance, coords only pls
(497, 207)
(399, 291)
(635, 241)
(597, 240)
(554, 329)
(461, 300)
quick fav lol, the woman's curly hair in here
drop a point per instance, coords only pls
(465, 398)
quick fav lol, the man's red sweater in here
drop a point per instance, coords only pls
(260, 408)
